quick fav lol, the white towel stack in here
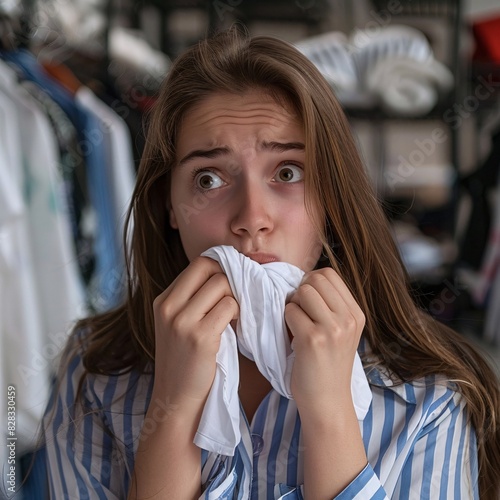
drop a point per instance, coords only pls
(393, 66)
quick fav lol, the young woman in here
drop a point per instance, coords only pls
(248, 147)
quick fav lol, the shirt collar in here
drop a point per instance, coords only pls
(379, 375)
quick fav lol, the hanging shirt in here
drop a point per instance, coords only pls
(416, 436)
(53, 253)
(120, 179)
(72, 170)
(23, 363)
(106, 288)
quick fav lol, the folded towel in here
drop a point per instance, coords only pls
(262, 292)
(369, 47)
(392, 66)
(408, 87)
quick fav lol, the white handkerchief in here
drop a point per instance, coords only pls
(262, 292)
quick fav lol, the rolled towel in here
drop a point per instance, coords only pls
(396, 65)
(408, 87)
(262, 292)
(368, 47)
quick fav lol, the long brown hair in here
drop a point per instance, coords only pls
(402, 337)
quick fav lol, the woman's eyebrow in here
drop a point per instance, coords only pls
(204, 153)
(277, 147)
(282, 147)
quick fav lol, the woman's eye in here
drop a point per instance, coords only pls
(207, 180)
(289, 173)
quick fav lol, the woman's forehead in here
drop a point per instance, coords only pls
(252, 117)
(221, 104)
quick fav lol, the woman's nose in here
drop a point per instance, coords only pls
(252, 211)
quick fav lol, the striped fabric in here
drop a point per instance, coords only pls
(416, 435)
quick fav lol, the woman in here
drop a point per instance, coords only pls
(248, 147)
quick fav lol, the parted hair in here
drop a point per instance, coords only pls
(403, 338)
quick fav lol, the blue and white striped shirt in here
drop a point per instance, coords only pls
(417, 438)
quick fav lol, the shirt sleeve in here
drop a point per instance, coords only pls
(442, 463)
(83, 460)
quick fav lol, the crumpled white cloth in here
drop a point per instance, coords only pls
(261, 335)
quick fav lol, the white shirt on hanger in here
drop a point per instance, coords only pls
(21, 332)
(42, 290)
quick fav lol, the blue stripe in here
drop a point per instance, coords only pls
(431, 404)
(410, 410)
(97, 489)
(445, 472)
(259, 421)
(87, 456)
(379, 494)
(216, 466)
(367, 427)
(272, 463)
(88, 429)
(428, 472)
(293, 454)
(107, 440)
(70, 398)
(128, 413)
(428, 403)
(246, 464)
(55, 435)
(386, 436)
(238, 465)
(406, 479)
(51, 480)
(87, 451)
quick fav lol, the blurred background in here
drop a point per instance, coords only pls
(420, 84)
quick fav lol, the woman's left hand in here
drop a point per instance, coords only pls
(326, 323)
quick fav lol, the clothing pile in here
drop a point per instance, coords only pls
(393, 67)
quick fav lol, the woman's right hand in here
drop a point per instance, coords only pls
(190, 316)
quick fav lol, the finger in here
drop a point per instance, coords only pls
(220, 315)
(208, 296)
(322, 303)
(310, 300)
(297, 321)
(333, 290)
(189, 282)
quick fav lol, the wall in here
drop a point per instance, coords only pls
(474, 9)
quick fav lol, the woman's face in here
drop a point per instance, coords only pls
(239, 180)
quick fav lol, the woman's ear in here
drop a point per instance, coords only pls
(172, 218)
